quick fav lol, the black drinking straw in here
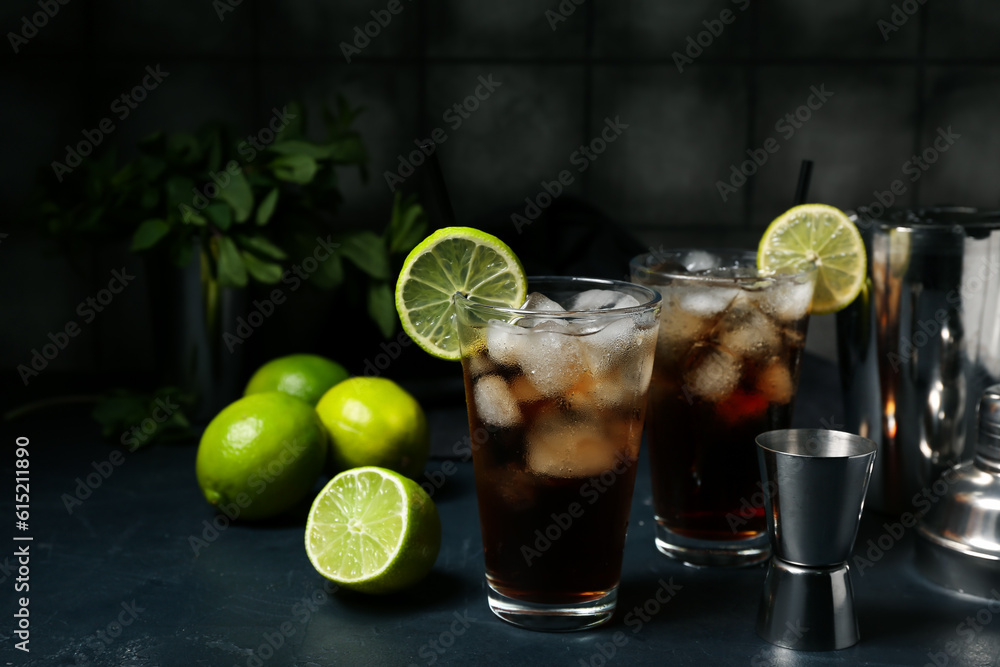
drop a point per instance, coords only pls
(802, 189)
(435, 194)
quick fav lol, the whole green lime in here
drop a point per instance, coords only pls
(261, 455)
(305, 376)
(375, 422)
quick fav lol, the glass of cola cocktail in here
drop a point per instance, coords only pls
(556, 395)
(726, 370)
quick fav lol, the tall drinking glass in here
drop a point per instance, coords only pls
(556, 394)
(726, 370)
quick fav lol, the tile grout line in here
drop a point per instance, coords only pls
(256, 79)
(90, 21)
(422, 62)
(919, 113)
(588, 81)
(750, 72)
(336, 58)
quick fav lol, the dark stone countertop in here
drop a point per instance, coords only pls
(247, 594)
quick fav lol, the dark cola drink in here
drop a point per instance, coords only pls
(556, 404)
(725, 371)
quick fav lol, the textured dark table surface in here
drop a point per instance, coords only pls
(135, 574)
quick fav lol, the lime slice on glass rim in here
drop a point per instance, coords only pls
(826, 237)
(454, 259)
(373, 530)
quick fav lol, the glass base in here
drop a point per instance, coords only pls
(710, 553)
(553, 617)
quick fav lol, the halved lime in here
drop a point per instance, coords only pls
(826, 237)
(454, 259)
(373, 530)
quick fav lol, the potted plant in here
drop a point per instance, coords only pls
(215, 211)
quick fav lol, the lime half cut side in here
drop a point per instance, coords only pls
(826, 237)
(373, 530)
(454, 260)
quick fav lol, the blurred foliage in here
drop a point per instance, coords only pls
(251, 209)
(137, 420)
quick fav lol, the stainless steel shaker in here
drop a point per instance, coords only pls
(958, 540)
(920, 343)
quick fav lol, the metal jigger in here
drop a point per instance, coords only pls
(814, 485)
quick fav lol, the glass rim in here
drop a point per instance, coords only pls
(637, 263)
(929, 217)
(653, 299)
(786, 442)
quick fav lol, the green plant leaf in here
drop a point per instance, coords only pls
(382, 307)
(182, 252)
(366, 251)
(349, 149)
(149, 234)
(122, 177)
(183, 148)
(150, 166)
(179, 191)
(152, 142)
(232, 270)
(407, 226)
(122, 412)
(340, 120)
(294, 168)
(149, 198)
(330, 273)
(261, 246)
(295, 127)
(266, 208)
(265, 272)
(189, 217)
(219, 214)
(299, 147)
(239, 195)
(211, 135)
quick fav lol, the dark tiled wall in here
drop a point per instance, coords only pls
(561, 81)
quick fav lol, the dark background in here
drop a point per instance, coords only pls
(891, 93)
